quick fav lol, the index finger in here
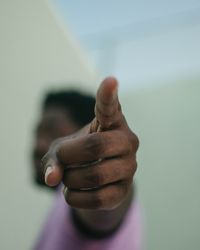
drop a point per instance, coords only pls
(107, 108)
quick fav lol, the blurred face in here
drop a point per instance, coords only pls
(54, 123)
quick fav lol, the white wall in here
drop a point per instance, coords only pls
(34, 54)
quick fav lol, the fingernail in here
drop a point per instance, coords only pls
(48, 173)
(115, 92)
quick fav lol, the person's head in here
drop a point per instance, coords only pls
(63, 113)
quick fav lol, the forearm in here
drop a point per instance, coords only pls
(103, 222)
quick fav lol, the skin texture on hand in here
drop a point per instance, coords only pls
(97, 164)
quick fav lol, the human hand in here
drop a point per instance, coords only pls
(97, 164)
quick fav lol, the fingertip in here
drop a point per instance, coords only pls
(53, 176)
(111, 83)
(108, 90)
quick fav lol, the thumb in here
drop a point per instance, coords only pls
(107, 108)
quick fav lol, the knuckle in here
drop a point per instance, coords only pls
(94, 145)
(58, 147)
(98, 200)
(107, 122)
(130, 169)
(60, 152)
(133, 167)
(95, 177)
(134, 142)
(56, 144)
(105, 118)
(107, 114)
(130, 172)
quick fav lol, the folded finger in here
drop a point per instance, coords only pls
(52, 170)
(106, 197)
(103, 173)
(92, 147)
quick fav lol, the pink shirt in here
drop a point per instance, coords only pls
(60, 233)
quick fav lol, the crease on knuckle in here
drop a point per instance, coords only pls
(95, 177)
(105, 118)
(109, 111)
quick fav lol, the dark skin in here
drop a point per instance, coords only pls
(97, 164)
(54, 123)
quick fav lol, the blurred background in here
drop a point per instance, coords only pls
(152, 47)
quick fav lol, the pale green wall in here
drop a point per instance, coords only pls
(167, 120)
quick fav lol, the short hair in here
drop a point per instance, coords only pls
(79, 106)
